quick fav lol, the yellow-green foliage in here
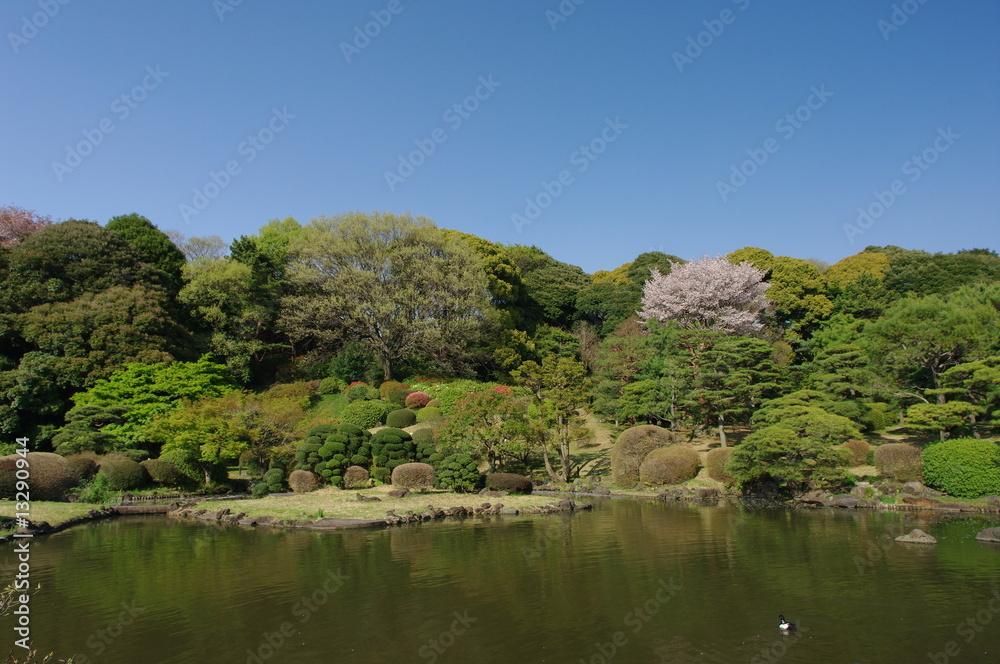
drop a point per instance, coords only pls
(669, 465)
(858, 449)
(716, 462)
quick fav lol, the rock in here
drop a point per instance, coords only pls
(989, 535)
(948, 507)
(913, 486)
(492, 494)
(844, 501)
(916, 536)
(601, 490)
(485, 506)
(566, 505)
(399, 493)
(372, 499)
(812, 498)
(705, 493)
(509, 511)
(920, 502)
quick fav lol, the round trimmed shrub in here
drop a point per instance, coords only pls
(274, 479)
(416, 399)
(631, 448)
(716, 461)
(392, 447)
(509, 482)
(123, 474)
(83, 464)
(302, 481)
(899, 461)
(394, 392)
(429, 414)
(858, 449)
(669, 465)
(400, 419)
(331, 385)
(356, 477)
(963, 467)
(164, 473)
(51, 476)
(358, 392)
(366, 414)
(457, 472)
(413, 476)
(433, 403)
(136, 455)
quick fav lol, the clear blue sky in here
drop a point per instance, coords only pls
(206, 84)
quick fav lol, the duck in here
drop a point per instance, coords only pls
(785, 625)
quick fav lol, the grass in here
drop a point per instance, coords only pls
(53, 513)
(341, 504)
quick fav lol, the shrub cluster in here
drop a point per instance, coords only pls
(858, 449)
(669, 465)
(83, 464)
(429, 414)
(457, 472)
(357, 392)
(366, 414)
(165, 473)
(716, 462)
(963, 467)
(381, 475)
(332, 385)
(414, 475)
(302, 481)
(329, 449)
(631, 448)
(509, 482)
(272, 482)
(394, 392)
(356, 477)
(51, 476)
(416, 399)
(899, 461)
(401, 418)
(391, 448)
(123, 474)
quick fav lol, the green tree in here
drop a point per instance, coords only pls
(395, 284)
(977, 383)
(490, 423)
(552, 286)
(794, 461)
(154, 246)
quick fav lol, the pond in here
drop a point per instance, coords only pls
(629, 582)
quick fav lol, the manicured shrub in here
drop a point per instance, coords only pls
(394, 392)
(329, 449)
(358, 392)
(880, 415)
(858, 449)
(509, 482)
(413, 476)
(84, 465)
(302, 481)
(716, 462)
(429, 414)
(400, 419)
(433, 403)
(381, 475)
(899, 461)
(631, 448)
(164, 473)
(274, 479)
(416, 399)
(366, 414)
(332, 385)
(423, 437)
(669, 465)
(356, 477)
(51, 476)
(963, 467)
(457, 472)
(123, 474)
(136, 455)
(392, 447)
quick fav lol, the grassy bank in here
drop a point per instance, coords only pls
(345, 504)
(53, 513)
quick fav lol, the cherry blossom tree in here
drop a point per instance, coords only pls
(16, 223)
(709, 293)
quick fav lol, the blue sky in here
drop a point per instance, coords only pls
(596, 131)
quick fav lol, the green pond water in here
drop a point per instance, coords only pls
(629, 582)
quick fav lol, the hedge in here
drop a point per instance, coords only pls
(366, 414)
(413, 476)
(715, 463)
(165, 473)
(963, 467)
(50, 476)
(302, 481)
(123, 474)
(457, 472)
(401, 418)
(429, 414)
(509, 482)
(899, 461)
(669, 465)
(356, 477)
(858, 449)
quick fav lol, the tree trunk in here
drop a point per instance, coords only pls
(972, 423)
(386, 367)
(722, 430)
(564, 459)
(548, 464)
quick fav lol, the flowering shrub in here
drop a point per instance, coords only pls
(417, 399)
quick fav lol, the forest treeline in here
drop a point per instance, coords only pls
(148, 318)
